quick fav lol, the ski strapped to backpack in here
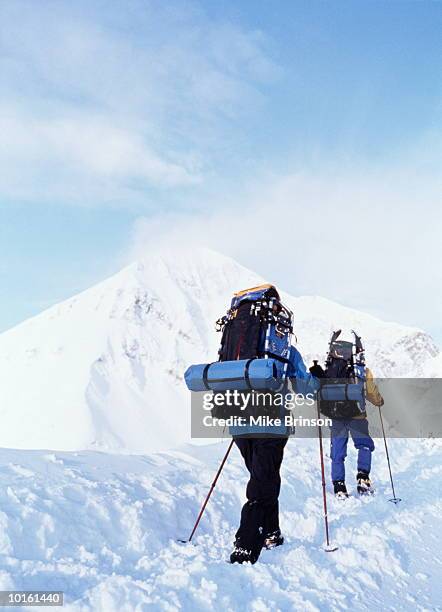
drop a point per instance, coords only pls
(255, 345)
(342, 392)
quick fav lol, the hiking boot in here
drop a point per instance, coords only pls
(364, 483)
(273, 540)
(242, 555)
(340, 489)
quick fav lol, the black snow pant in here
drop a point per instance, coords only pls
(260, 514)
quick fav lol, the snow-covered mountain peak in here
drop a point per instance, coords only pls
(104, 368)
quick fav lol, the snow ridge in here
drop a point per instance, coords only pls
(103, 370)
(103, 529)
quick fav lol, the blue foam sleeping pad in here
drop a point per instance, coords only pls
(341, 392)
(243, 374)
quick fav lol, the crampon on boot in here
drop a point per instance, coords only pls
(273, 540)
(364, 483)
(340, 489)
(242, 555)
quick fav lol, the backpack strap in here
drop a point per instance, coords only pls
(205, 371)
(246, 374)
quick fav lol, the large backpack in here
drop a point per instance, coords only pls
(255, 345)
(344, 377)
(257, 325)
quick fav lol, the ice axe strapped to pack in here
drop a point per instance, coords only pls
(255, 345)
(342, 392)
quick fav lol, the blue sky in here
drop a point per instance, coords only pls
(121, 117)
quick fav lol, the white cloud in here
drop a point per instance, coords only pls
(49, 154)
(110, 103)
(369, 239)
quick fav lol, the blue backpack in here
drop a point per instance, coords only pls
(255, 345)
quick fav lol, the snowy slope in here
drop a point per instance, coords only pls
(103, 370)
(433, 367)
(105, 367)
(102, 528)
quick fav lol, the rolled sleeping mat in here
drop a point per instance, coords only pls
(240, 375)
(340, 392)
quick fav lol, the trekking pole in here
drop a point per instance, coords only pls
(203, 507)
(328, 547)
(394, 499)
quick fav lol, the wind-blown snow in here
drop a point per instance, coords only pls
(103, 370)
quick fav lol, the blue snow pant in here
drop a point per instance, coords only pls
(358, 429)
